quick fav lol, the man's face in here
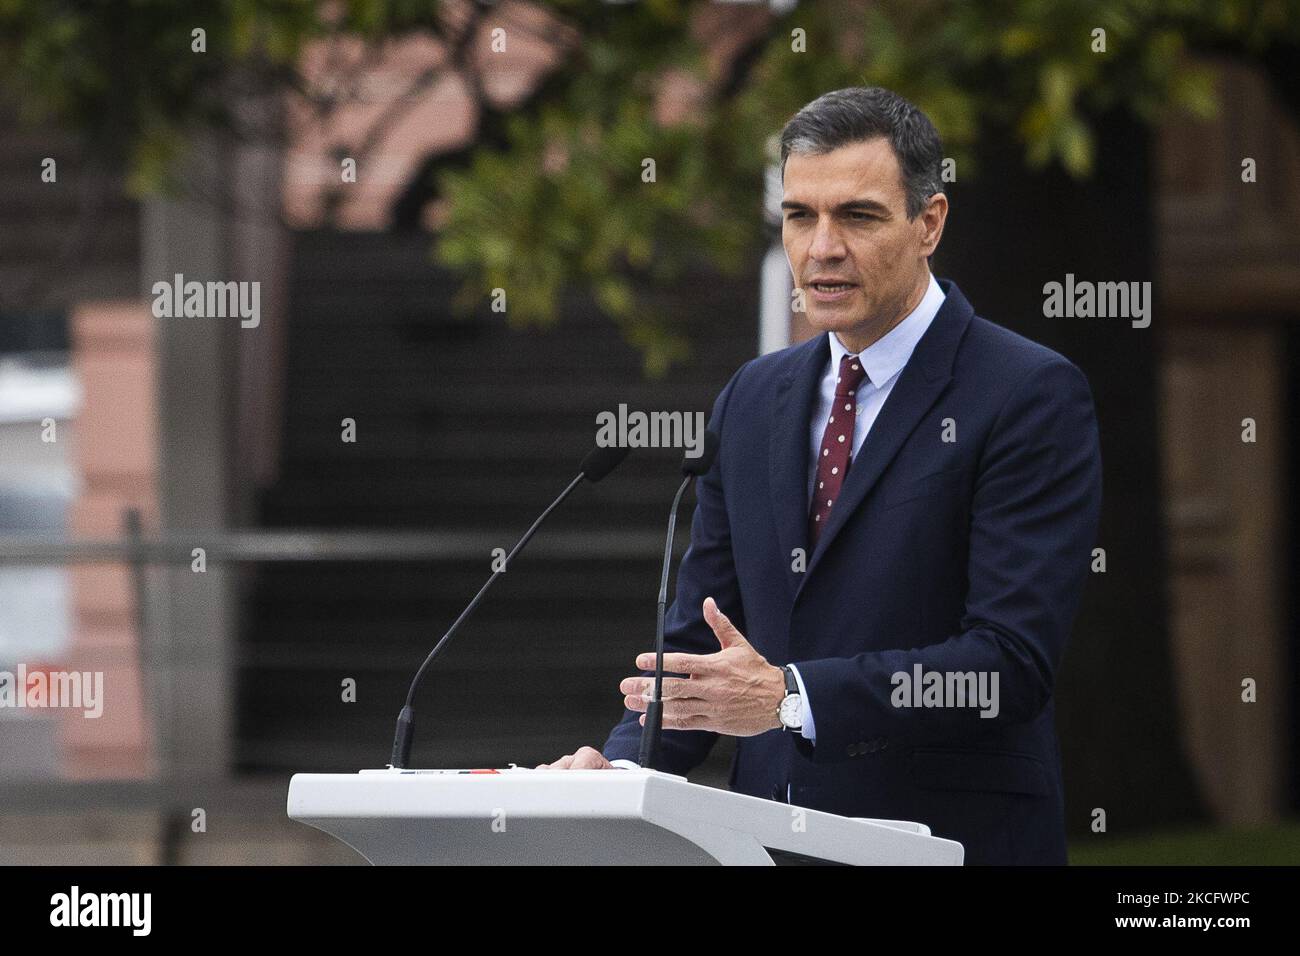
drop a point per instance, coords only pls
(845, 221)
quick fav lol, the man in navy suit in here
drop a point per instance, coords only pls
(888, 552)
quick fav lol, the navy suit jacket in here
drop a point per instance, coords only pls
(962, 555)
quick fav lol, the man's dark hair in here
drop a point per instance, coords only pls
(860, 113)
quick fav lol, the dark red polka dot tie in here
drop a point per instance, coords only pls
(834, 454)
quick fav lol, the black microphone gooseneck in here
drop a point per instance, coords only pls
(692, 468)
(598, 463)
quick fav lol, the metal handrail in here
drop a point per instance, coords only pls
(258, 546)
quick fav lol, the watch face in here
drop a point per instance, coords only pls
(791, 711)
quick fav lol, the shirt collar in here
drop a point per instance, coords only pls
(884, 357)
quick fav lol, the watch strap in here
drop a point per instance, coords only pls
(791, 682)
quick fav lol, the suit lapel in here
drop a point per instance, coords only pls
(788, 453)
(919, 385)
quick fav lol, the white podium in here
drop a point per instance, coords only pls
(600, 817)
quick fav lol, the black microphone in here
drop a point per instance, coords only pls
(598, 463)
(692, 468)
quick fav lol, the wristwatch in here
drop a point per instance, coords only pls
(790, 713)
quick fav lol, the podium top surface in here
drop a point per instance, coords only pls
(594, 816)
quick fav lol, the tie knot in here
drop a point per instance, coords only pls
(850, 376)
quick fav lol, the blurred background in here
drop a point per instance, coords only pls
(474, 226)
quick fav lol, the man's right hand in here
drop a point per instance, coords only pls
(587, 758)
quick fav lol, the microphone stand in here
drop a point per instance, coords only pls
(654, 715)
(405, 734)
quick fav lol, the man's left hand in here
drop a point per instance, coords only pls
(734, 691)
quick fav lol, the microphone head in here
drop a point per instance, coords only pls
(600, 461)
(698, 466)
